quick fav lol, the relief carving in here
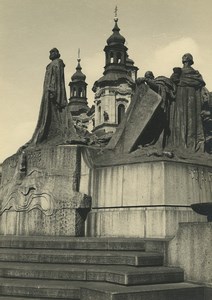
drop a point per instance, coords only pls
(25, 191)
(21, 200)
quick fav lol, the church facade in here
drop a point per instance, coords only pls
(113, 91)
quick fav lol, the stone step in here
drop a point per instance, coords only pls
(176, 291)
(124, 275)
(74, 243)
(81, 257)
(54, 289)
(24, 298)
(45, 289)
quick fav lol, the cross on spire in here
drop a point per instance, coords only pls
(116, 13)
(78, 54)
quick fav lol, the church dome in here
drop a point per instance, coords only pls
(78, 75)
(129, 61)
(116, 37)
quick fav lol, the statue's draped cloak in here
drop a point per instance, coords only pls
(158, 130)
(54, 124)
(186, 123)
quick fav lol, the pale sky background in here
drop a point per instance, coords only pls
(158, 33)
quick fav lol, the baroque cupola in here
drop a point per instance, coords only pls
(115, 53)
(78, 92)
(116, 37)
(115, 60)
(78, 75)
(113, 91)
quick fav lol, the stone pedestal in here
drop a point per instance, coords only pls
(147, 199)
(40, 193)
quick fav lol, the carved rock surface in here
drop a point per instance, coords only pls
(40, 192)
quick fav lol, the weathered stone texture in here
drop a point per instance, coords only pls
(151, 183)
(146, 199)
(191, 250)
(45, 197)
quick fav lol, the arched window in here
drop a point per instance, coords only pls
(121, 112)
(111, 57)
(80, 92)
(74, 92)
(99, 115)
(118, 57)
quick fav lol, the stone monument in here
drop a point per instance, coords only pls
(142, 183)
(40, 190)
(158, 162)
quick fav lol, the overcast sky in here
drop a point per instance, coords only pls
(157, 33)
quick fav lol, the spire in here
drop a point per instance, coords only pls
(116, 37)
(78, 75)
(115, 51)
(78, 91)
(116, 13)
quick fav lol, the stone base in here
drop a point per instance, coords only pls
(64, 222)
(152, 183)
(142, 222)
(41, 193)
(147, 199)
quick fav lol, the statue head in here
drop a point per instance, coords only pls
(149, 75)
(187, 58)
(54, 53)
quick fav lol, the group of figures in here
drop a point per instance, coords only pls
(184, 118)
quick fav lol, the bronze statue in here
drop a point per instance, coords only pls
(55, 125)
(186, 123)
(158, 129)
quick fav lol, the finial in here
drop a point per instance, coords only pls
(78, 55)
(116, 14)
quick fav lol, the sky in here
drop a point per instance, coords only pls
(157, 33)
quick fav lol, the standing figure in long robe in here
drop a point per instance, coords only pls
(55, 125)
(186, 124)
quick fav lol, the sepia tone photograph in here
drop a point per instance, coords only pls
(106, 149)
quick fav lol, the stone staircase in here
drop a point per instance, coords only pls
(88, 269)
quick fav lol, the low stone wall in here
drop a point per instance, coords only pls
(191, 249)
(142, 222)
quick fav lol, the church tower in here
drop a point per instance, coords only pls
(114, 90)
(78, 92)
